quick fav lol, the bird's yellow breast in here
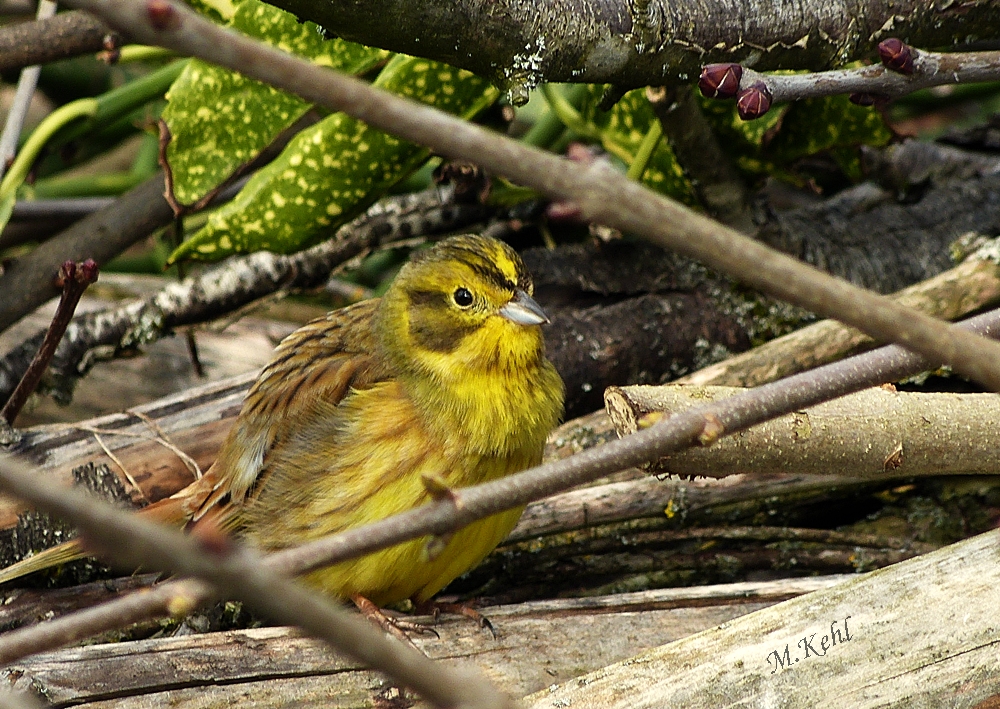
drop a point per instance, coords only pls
(439, 382)
(380, 454)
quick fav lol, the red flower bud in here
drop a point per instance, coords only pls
(720, 80)
(161, 14)
(753, 101)
(896, 55)
(67, 272)
(87, 272)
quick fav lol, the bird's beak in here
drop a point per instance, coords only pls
(523, 310)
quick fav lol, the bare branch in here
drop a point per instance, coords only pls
(719, 186)
(970, 286)
(75, 279)
(27, 283)
(874, 434)
(903, 71)
(636, 43)
(66, 35)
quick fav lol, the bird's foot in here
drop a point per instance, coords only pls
(436, 608)
(396, 627)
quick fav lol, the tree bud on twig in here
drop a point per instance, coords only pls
(896, 55)
(73, 278)
(162, 14)
(753, 101)
(720, 80)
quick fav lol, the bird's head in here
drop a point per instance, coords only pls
(464, 303)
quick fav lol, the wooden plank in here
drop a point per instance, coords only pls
(539, 643)
(874, 434)
(922, 633)
(195, 421)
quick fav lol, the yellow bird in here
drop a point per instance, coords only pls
(361, 414)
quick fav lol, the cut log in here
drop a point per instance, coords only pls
(922, 633)
(874, 434)
(539, 643)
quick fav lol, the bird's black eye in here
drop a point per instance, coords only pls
(463, 297)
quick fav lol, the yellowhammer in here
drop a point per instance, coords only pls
(443, 377)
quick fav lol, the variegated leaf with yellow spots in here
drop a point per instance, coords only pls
(219, 120)
(623, 129)
(772, 144)
(829, 124)
(332, 171)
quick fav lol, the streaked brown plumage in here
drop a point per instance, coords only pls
(444, 378)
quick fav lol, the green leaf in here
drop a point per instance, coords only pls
(213, 9)
(220, 120)
(773, 143)
(743, 140)
(332, 171)
(622, 130)
(826, 124)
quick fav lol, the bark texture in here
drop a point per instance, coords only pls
(633, 43)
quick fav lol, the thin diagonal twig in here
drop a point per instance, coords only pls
(73, 278)
(114, 458)
(164, 440)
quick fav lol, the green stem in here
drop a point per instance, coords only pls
(572, 119)
(52, 124)
(567, 114)
(113, 183)
(125, 99)
(640, 162)
(143, 52)
(549, 128)
(147, 159)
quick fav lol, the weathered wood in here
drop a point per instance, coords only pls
(951, 295)
(195, 421)
(875, 434)
(651, 497)
(539, 643)
(922, 633)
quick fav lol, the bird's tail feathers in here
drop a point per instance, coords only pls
(175, 511)
(47, 559)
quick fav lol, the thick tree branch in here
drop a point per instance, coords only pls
(68, 34)
(874, 433)
(28, 282)
(631, 44)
